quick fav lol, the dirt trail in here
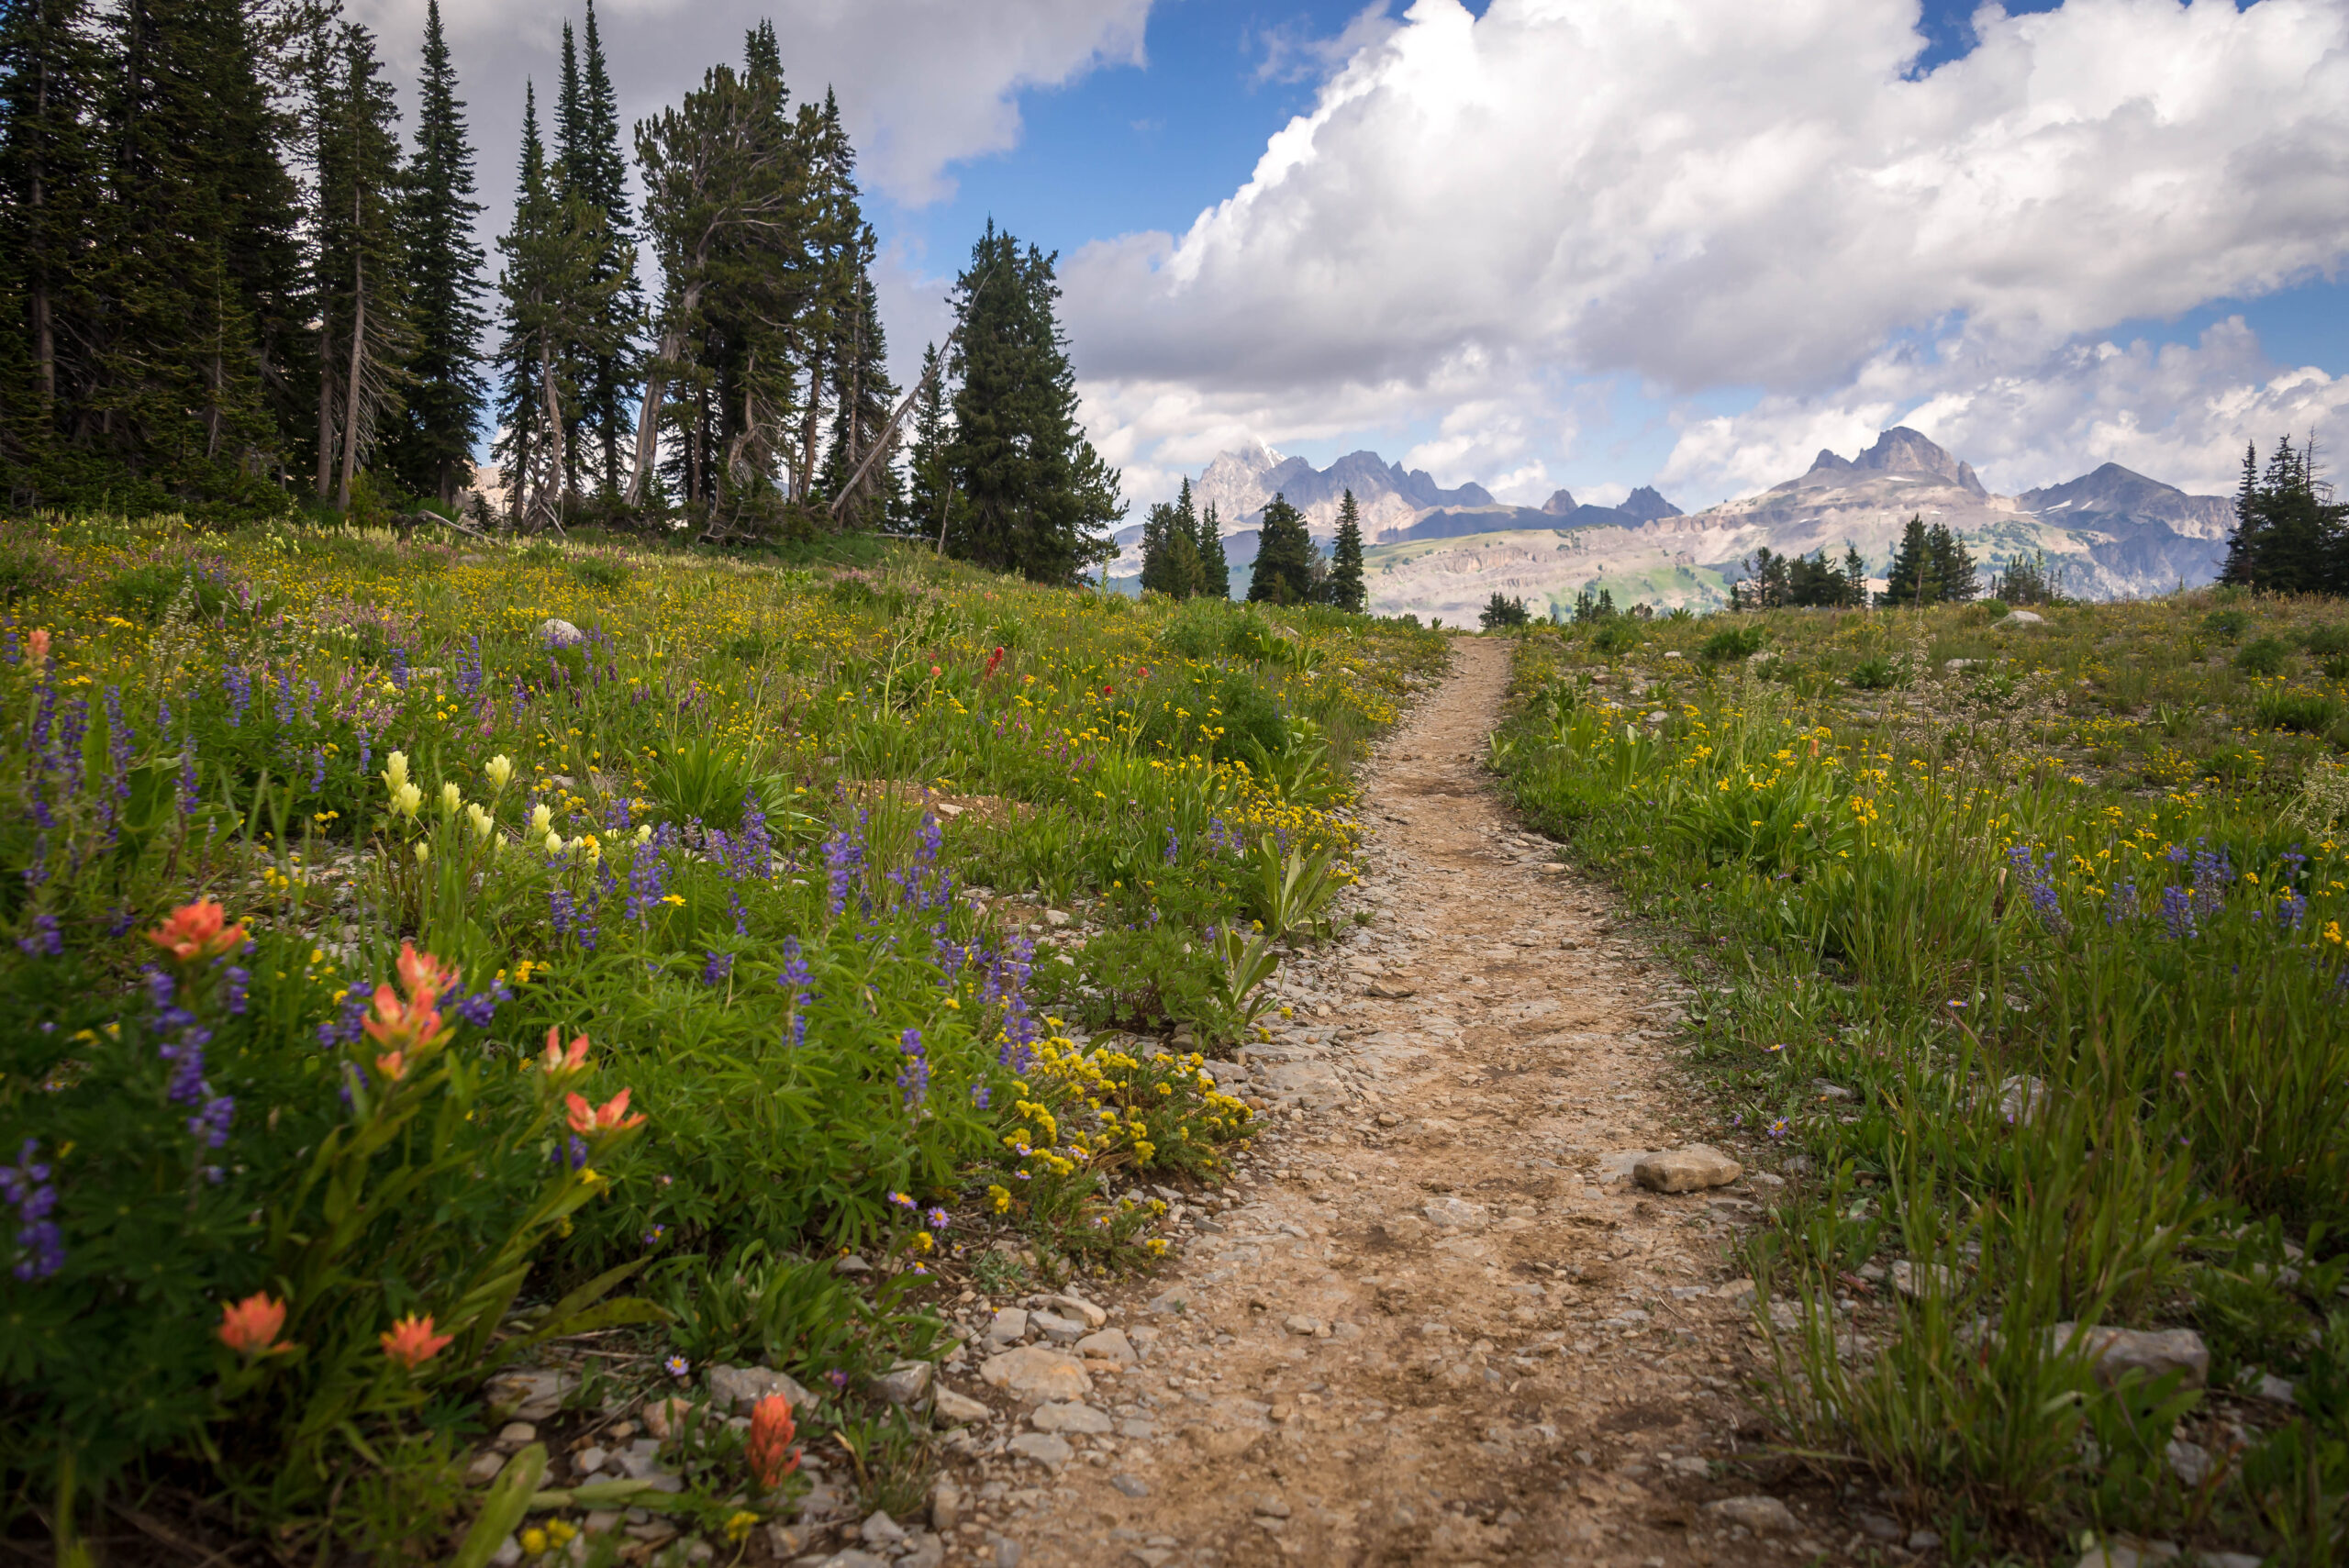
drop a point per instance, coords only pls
(1434, 1321)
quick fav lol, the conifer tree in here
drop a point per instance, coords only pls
(1909, 580)
(51, 76)
(365, 335)
(1954, 582)
(1156, 523)
(1215, 570)
(433, 453)
(1038, 498)
(1347, 590)
(1855, 576)
(1283, 569)
(863, 399)
(595, 169)
(2291, 535)
(927, 480)
(516, 392)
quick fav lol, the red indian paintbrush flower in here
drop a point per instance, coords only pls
(411, 1341)
(559, 1062)
(402, 1026)
(250, 1327)
(769, 1450)
(611, 1117)
(193, 933)
(425, 976)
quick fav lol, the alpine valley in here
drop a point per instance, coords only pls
(1443, 553)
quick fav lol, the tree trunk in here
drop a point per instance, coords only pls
(358, 361)
(647, 413)
(555, 444)
(326, 399)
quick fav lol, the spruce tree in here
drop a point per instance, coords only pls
(51, 75)
(1855, 577)
(863, 398)
(1038, 498)
(1910, 580)
(446, 394)
(1215, 570)
(517, 392)
(2290, 537)
(927, 479)
(1953, 564)
(1347, 590)
(595, 168)
(1283, 569)
(364, 334)
(1156, 564)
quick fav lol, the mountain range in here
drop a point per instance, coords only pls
(2113, 533)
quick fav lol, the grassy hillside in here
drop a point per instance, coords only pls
(422, 953)
(2026, 944)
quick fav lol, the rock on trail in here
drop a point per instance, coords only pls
(1435, 1317)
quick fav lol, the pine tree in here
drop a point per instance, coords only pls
(516, 394)
(2290, 537)
(433, 453)
(1215, 570)
(1283, 570)
(1855, 577)
(1347, 590)
(927, 480)
(1954, 580)
(1157, 564)
(863, 399)
(595, 169)
(1910, 580)
(1039, 497)
(364, 334)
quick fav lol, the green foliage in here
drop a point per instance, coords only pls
(1501, 612)
(1877, 675)
(2263, 656)
(1345, 587)
(1732, 644)
(2310, 713)
(800, 1315)
(1282, 573)
(2226, 625)
(1615, 636)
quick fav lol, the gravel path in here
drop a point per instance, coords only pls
(1433, 1320)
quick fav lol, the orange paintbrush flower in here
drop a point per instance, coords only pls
(411, 1341)
(769, 1450)
(401, 1025)
(193, 933)
(425, 977)
(250, 1327)
(393, 1064)
(611, 1117)
(559, 1062)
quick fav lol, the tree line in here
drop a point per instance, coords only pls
(234, 285)
(2291, 535)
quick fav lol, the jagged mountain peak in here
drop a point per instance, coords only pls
(1560, 503)
(1647, 505)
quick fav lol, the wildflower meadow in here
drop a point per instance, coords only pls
(427, 959)
(2022, 944)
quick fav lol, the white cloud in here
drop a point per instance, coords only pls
(1707, 193)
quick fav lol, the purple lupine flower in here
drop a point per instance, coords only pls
(561, 910)
(310, 696)
(843, 859)
(44, 940)
(2120, 904)
(187, 775)
(399, 668)
(235, 981)
(120, 742)
(318, 769)
(26, 1187)
(800, 980)
(121, 920)
(647, 880)
(2291, 909)
(468, 670)
(349, 1024)
(2177, 912)
(719, 966)
(283, 699)
(240, 682)
(212, 1120)
(366, 753)
(479, 1007)
(980, 1096)
(914, 1076)
(1173, 846)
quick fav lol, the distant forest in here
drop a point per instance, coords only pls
(234, 285)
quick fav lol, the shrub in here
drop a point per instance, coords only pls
(1877, 675)
(2227, 625)
(1737, 642)
(601, 572)
(2310, 713)
(2266, 656)
(1994, 609)
(146, 592)
(1615, 636)
(2325, 641)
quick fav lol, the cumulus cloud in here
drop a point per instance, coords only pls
(923, 84)
(1702, 193)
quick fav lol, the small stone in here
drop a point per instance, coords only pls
(740, 1388)
(485, 1468)
(1298, 1323)
(664, 1417)
(1827, 1091)
(1070, 1418)
(2020, 617)
(1273, 1508)
(591, 1460)
(530, 1395)
(1455, 1214)
(1094, 1317)
(2115, 1352)
(1909, 1280)
(2189, 1461)
(1404, 1229)
(1688, 1170)
(556, 632)
(1131, 1485)
(508, 1553)
(955, 1409)
(923, 1550)
(1921, 1540)
(853, 1558)
(1010, 1327)
(2022, 1097)
(1055, 918)
(945, 1505)
(2274, 1389)
(513, 1434)
(1762, 1515)
(881, 1531)
(1042, 1448)
(1109, 1345)
(1388, 1118)
(906, 1383)
(1034, 1372)
(1058, 1329)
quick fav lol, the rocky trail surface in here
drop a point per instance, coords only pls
(1433, 1317)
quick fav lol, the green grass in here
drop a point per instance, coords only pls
(2095, 875)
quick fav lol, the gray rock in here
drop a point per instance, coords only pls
(1404, 1229)
(1094, 1317)
(1762, 1515)
(1688, 1170)
(591, 1460)
(1909, 1280)
(906, 1383)
(1455, 1214)
(1034, 1373)
(955, 1409)
(1042, 1448)
(1010, 1327)
(1058, 1329)
(530, 1395)
(881, 1531)
(853, 1558)
(923, 1550)
(508, 1553)
(1109, 1345)
(2274, 1389)
(2189, 1461)
(2115, 1352)
(740, 1388)
(945, 1505)
(1298, 1323)
(2020, 617)
(1131, 1485)
(1923, 1540)
(1070, 1418)
(558, 633)
(2020, 1099)
(485, 1468)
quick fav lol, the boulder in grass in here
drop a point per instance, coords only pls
(2113, 1352)
(556, 632)
(1692, 1169)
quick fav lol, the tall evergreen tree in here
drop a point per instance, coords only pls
(1215, 570)
(863, 398)
(51, 76)
(595, 169)
(1283, 569)
(1347, 589)
(1910, 581)
(1038, 497)
(1954, 582)
(1156, 523)
(1855, 576)
(517, 399)
(927, 480)
(364, 334)
(433, 453)
(2291, 535)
